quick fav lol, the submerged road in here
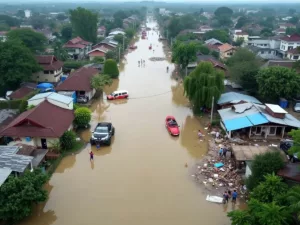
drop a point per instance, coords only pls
(141, 179)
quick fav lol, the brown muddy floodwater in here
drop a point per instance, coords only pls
(141, 179)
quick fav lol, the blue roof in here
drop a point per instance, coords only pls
(237, 123)
(234, 97)
(257, 119)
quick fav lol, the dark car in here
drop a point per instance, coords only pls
(102, 133)
(285, 145)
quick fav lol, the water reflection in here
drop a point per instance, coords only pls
(178, 95)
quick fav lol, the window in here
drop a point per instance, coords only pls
(272, 131)
(124, 93)
(296, 57)
(270, 52)
(262, 52)
(256, 130)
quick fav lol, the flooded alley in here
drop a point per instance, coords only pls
(141, 179)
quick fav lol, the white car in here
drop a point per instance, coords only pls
(297, 107)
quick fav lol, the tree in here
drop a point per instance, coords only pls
(295, 149)
(38, 21)
(18, 194)
(66, 32)
(111, 68)
(10, 21)
(220, 35)
(100, 81)
(61, 17)
(203, 84)
(111, 55)
(130, 33)
(269, 190)
(203, 49)
(60, 52)
(20, 13)
(293, 197)
(4, 27)
(221, 11)
(239, 217)
(266, 32)
(263, 164)
(278, 82)
(243, 68)
(294, 20)
(17, 65)
(84, 24)
(67, 140)
(23, 106)
(243, 20)
(83, 116)
(239, 41)
(292, 11)
(33, 40)
(215, 54)
(98, 59)
(223, 16)
(183, 53)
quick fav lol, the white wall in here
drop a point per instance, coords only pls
(248, 171)
(42, 76)
(285, 46)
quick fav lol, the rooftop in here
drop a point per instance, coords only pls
(291, 38)
(276, 108)
(225, 47)
(234, 97)
(52, 96)
(77, 42)
(49, 62)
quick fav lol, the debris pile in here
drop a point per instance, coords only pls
(157, 59)
(217, 173)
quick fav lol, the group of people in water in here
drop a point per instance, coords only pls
(142, 62)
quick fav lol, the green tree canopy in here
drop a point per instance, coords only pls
(294, 20)
(202, 84)
(130, 32)
(18, 194)
(243, 68)
(243, 20)
(33, 40)
(223, 16)
(59, 52)
(111, 68)
(223, 11)
(84, 24)
(10, 21)
(67, 140)
(295, 149)
(278, 82)
(66, 32)
(179, 23)
(100, 81)
(263, 164)
(17, 65)
(183, 53)
(221, 35)
(83, 116)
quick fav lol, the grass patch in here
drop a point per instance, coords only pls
(54, 163)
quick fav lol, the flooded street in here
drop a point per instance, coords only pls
(141, 179)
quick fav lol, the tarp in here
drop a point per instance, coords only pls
(44, 85)
(215, 199)
(237, 123)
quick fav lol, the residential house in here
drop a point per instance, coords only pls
(203, 29)
(52, 69)
(3, 36)
(241, 35)
(24, 90)
(130, 21)
(26, 26)
(80, 81)
(286, 25)
(41, 126)
(213, 41)
(255, 28)
(256, 121)
(47, 33)
(78, 48)
(287, 18)
(264, 53)
(101, 31)
(97, 52)
(226, 51)
(271, 42)
(216, 63)
(234, 98)
(279, 31)
(60, 100)
(289, 42)
(108, 44)
(114, 33)
(282, 63)
(294, 54)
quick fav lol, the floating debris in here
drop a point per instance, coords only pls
(157, 59)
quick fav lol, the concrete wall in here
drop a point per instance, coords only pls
(285, 46)
(43, 76)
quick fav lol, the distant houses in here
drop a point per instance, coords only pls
(77, 48)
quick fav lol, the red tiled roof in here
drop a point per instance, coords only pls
(79, 80)
(74, 46)
(21, 92)
(295, 51)
(45, 120)
(77, 42)
(241, 33)
(217, 64)
(225, 47)
(213, 47)
(292, 38)
(49, 62)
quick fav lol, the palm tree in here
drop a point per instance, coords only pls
(272, 214)
(294, 200)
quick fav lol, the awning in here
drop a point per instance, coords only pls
(237, 123)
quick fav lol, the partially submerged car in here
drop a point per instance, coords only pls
(297, 107)
(285, 145)
(118, 95)
(172, 126)
(102, 133)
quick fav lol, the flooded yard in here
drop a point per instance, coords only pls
(141, 179)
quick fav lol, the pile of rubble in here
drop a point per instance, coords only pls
(217, 173)
(157, 59)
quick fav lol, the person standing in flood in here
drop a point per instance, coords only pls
(234, 196)
(225, 197)
(91, 156)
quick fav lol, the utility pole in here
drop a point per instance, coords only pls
(119, 54)
(212, 109)
(186, 71)
(123, 43)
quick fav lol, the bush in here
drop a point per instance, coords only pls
(12, 104)
(83, 117)
(268, 163)
(68, 65)
(111, 68)
(98, 59)
(100, 81)
(68, 140)
(23, 106)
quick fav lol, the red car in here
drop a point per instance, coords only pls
(172, 126)
(118, 95)
(133, 47)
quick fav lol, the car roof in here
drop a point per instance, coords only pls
(120, 91)
(104, 124)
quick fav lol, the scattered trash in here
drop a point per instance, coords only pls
(216, 175)
(218, 165)
(210, 180)
(215, 199)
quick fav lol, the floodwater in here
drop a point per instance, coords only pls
(141, 179)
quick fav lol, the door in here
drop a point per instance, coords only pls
(44, 143)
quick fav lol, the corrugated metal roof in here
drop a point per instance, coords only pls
(17, 163)
(4, 173)
(8, 149)
(53, 96)
(257, 119)
(237, 123)
(234, 97)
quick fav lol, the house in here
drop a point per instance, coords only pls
(233, 98)
(294, 54)
(279, 31)
(77, 48)
(47, 33)
(101, 31)
(52, 69)
(240, 35)
(263, 53)
(80, 81)
(256, 121)
(108, 44)
(214, 42)
(114, 33)
(289, 42)
(286, 25)
(226, 50)
(97, 52)
(216, 63)
(282, 63)
(41, 126)
(3, 36)
(271, 42)
(60, 100)
(25, 90)
(203, 29)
